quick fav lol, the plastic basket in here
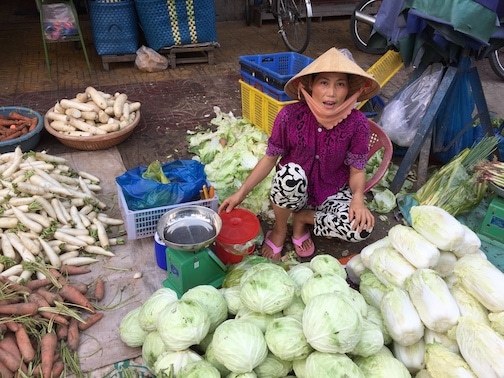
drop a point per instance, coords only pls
(114, 26)
(259, 108)
(143, 223)
(264, 87)
(274, 69)
(176, 22)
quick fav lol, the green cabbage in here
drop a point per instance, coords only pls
(273, 367)
(267, 288)
(259, 319)
(182, 324)
(232, 298)
(322, 284)
(382, 364)
(442, 362)
(295, 309)
(130, 331)
(299, 368)
(300, 273)
(239, 345)
(433, 300)
(210, 357)
(286, 340)
(371, 340)
(249, 374)
(170, 363)
(152, 348)
(152, 307)
(331, 365)
(213, 302)
(199, 369)
(374, 316)
(327, 264)
(331, 324)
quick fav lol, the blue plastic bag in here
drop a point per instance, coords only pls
(187, 178)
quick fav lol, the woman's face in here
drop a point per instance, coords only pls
(330, 89)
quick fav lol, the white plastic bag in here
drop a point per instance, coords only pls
(148, 60)
(401, 117)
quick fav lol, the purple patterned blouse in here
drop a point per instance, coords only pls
(325, 155)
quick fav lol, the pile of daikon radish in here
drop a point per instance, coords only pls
(50, 213)
(92, 112)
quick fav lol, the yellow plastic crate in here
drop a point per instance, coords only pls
(258, 108)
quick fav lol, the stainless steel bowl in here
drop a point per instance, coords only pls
(189, 228)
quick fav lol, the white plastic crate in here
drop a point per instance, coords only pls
(143, 223)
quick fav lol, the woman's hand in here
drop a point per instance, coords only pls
(231, 202)
(360, 214)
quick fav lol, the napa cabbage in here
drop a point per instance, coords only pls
(433, 300)
(382, 364)
(412, 356)
(481, 347)
(371, 288)
(390, 266)
(401, 317)
(440, 361)
(413, 247)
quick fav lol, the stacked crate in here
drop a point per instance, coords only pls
(263, 78)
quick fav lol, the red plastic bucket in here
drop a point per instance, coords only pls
(239, 229)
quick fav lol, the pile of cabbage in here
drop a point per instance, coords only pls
(229, 154)
(441, 300)
(267, 320)
(429, 304)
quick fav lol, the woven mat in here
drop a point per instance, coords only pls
(101, 345)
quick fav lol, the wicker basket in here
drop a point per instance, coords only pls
(97, 142)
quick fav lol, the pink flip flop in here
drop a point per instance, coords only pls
(276, 250)
(298, 243)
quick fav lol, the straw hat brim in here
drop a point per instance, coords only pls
(335, 61)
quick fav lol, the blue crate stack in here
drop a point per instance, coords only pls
(269, 73)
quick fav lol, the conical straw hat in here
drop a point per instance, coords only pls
(334, 60)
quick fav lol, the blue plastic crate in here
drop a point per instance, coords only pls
(275, 69)
(114, 26)
(264, 87)
(176, 22)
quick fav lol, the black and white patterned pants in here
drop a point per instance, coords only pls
(288, 191)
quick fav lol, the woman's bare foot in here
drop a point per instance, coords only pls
(300, 231)
(273, 244)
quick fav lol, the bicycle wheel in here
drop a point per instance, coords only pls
(293, 24)
(496, 60)
(361, 26)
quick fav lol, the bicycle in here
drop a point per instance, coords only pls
(361, 28)
(293, 18)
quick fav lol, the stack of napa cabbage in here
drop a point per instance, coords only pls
(441, 300)
(268, 320)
